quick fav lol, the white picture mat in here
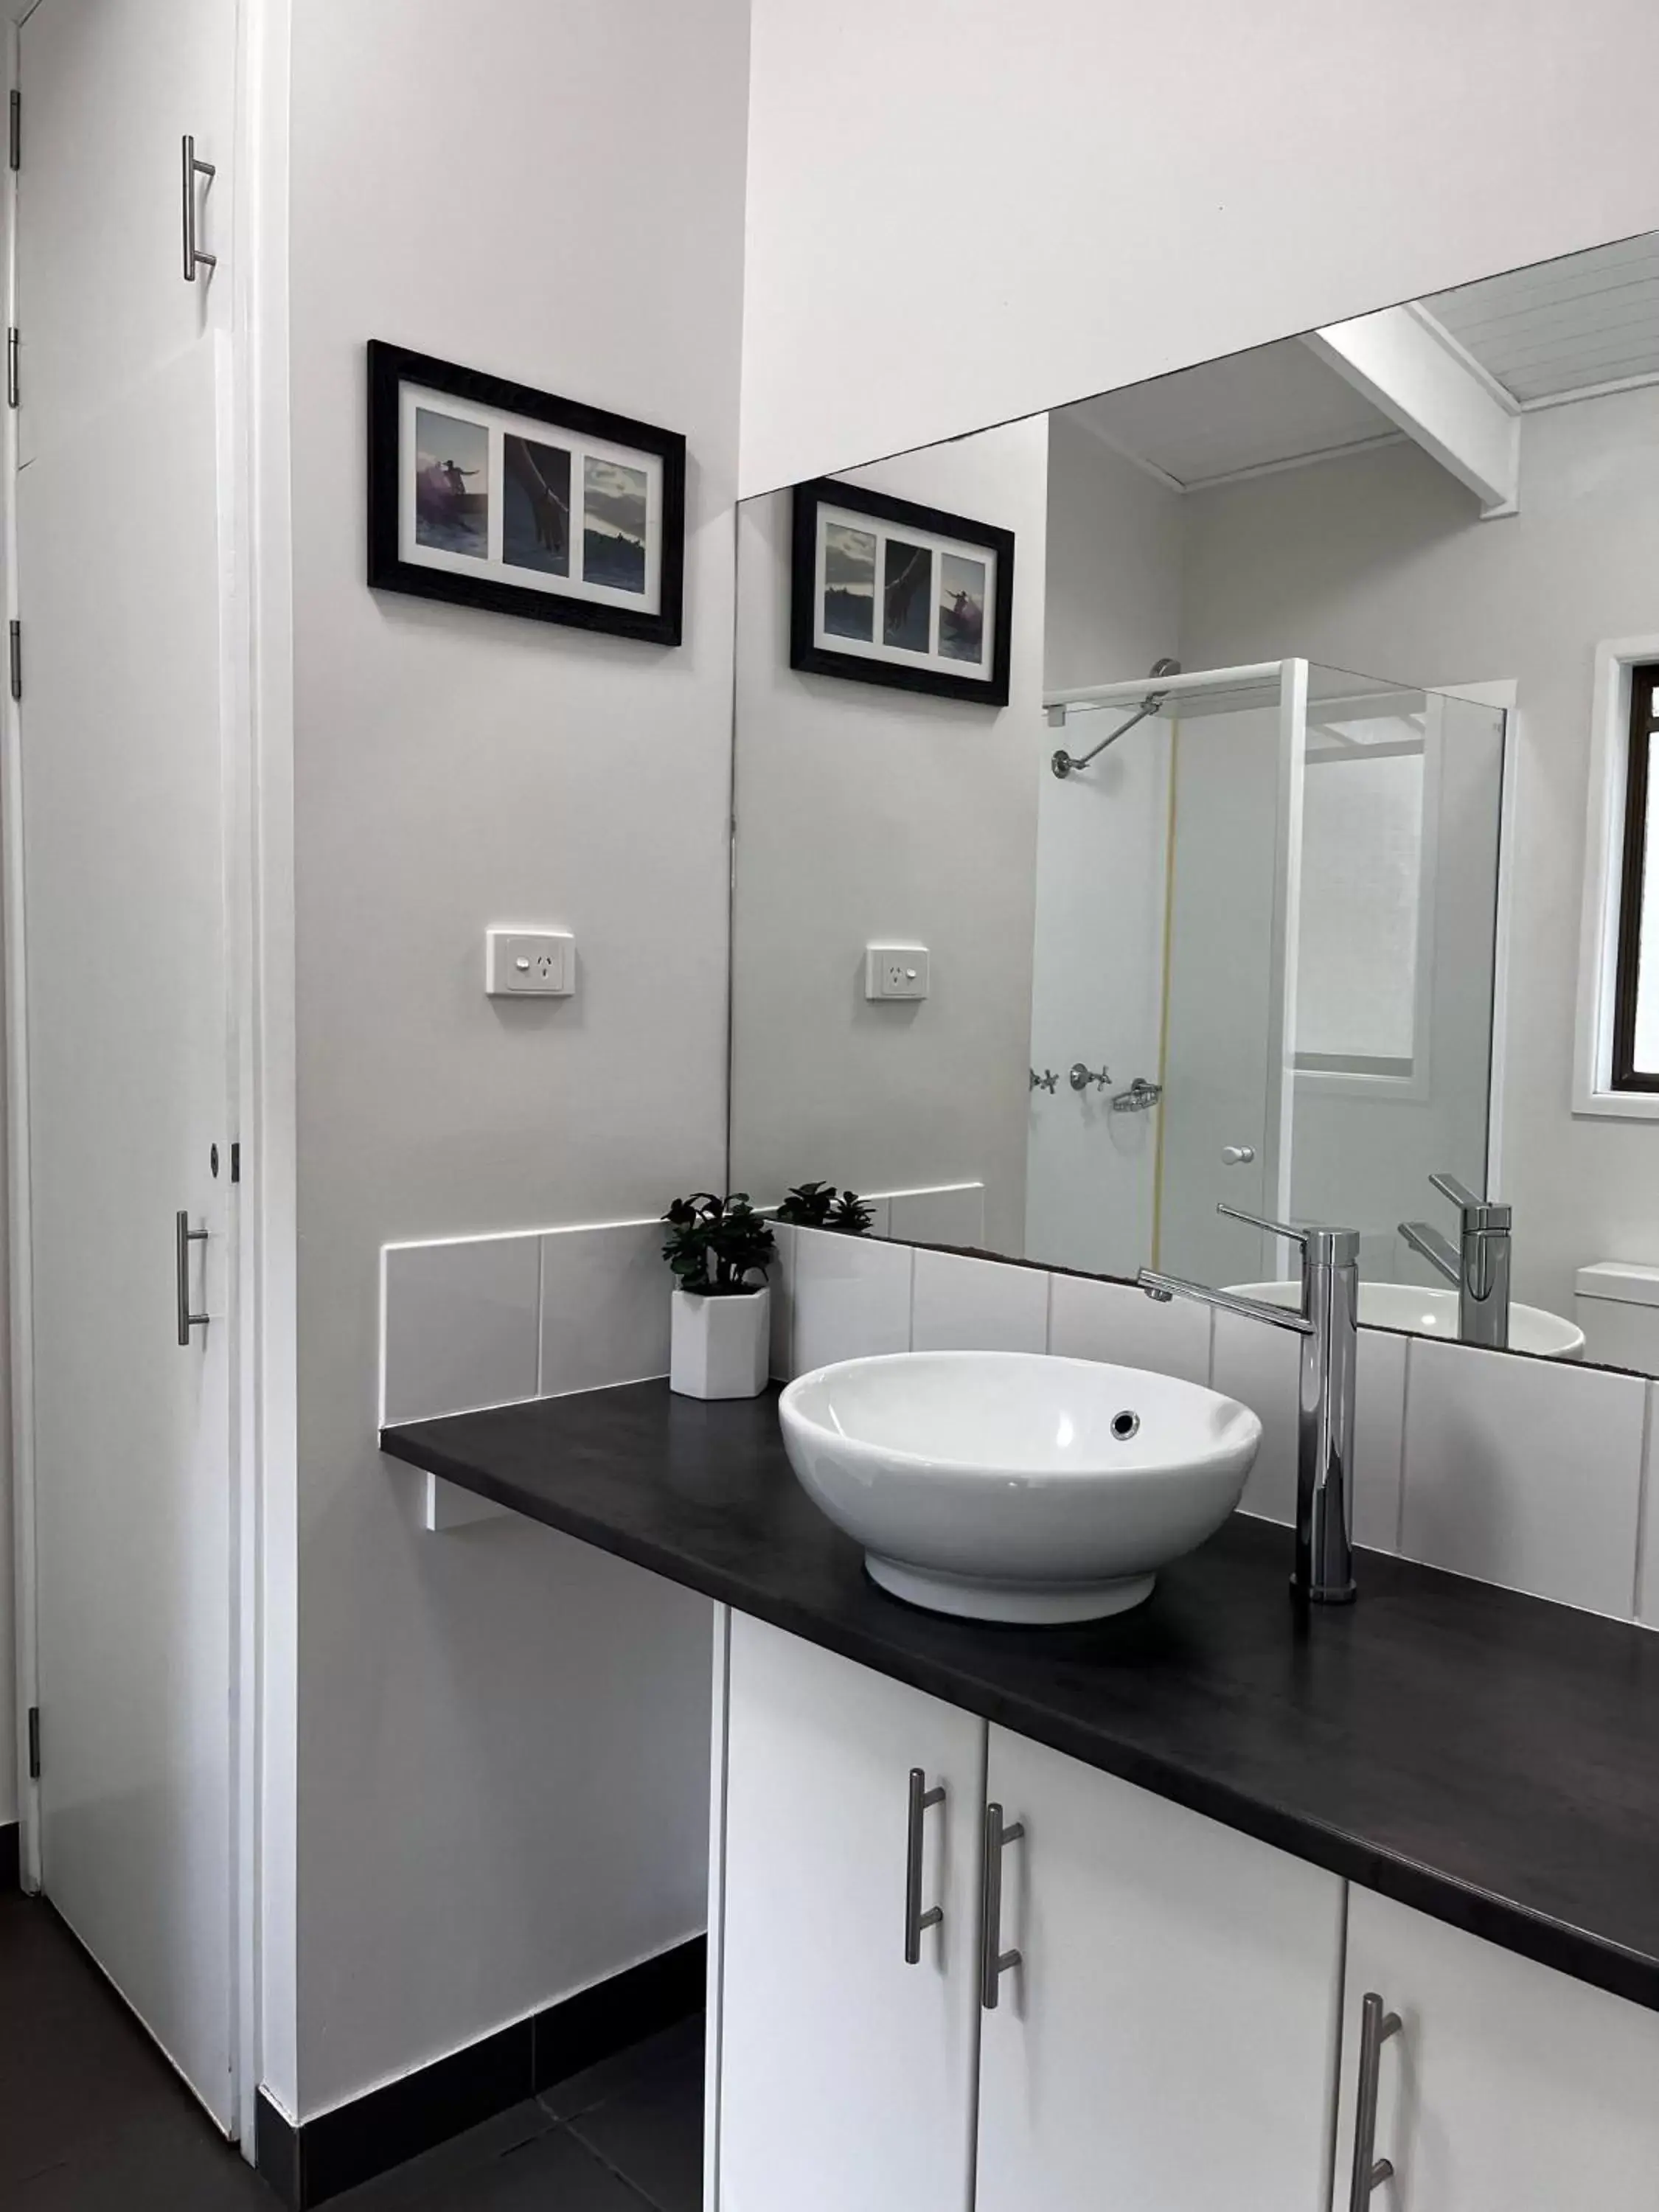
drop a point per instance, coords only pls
(498, 425)
(898, 656)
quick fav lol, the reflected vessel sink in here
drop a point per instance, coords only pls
(1010, 1485)
(1434, 1313)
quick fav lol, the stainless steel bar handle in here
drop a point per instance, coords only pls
(184, 1237)
(195, 258)
(922, 1799)
(1376, 2026)
(994, 1961)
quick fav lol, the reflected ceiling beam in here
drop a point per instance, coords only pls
(1411, 368)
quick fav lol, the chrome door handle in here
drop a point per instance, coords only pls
(194, 257)
(994, 1961)
(184, 1237)
(1237, 1156)
(922, 1799)
(1376, 2026)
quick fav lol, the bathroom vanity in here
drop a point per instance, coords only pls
(1125, 1914)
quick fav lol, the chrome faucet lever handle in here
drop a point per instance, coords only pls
(1255, 1221)
(1482, 1216)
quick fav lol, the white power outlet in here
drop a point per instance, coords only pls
(535, 964)
(896, 971)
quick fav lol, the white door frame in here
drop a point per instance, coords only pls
(256, 691)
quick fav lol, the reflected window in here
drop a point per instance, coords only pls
(1636, 1006)
(1365, 874)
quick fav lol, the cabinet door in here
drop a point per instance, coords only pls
(845, 2074)
(1168, 2039)
(1507, 2087)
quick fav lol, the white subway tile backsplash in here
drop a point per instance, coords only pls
(852, 1297)
(460, 1322)
(1092, 1319)
(977, 1305)
(1259, 1366)
(1541, 1475)
(782, 1279)
(604, 1306)
(953, 1214)
(1379, 1437)
(1524, 1471)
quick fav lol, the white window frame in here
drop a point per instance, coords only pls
(1604, 870)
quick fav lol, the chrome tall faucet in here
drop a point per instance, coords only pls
(1327, 1323)
(1479, 1263)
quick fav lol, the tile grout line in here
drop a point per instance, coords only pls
(570, 2128)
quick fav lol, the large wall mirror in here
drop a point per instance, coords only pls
(1305, 867)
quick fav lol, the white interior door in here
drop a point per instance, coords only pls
(1168, 2039)
(846, 2074)
(120, 561)
(1230, 985)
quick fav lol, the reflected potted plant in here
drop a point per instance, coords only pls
(718, 1250)
(818, 1206)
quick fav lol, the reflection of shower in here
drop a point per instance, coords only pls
(1064, 763)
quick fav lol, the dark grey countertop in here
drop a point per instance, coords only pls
(1489, 1759)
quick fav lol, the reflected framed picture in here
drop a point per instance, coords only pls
(488, 494)
(883, 591)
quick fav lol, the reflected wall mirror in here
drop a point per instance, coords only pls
(1305, 868)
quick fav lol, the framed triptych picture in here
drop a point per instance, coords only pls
(488, 494)
(883, 591)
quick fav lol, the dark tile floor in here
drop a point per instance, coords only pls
(91, 2119)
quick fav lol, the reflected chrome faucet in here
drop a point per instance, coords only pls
(1479, 1263)
(1327, 1323)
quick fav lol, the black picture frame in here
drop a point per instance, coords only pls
(391, 367)
(811, 657)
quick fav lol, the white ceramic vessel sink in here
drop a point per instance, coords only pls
(1434, 1313)
(1006, 1486)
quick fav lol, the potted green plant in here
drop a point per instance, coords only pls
(817, 1205)
(718, 1250)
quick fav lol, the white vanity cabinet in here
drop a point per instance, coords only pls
(1506, 2087)
(1168, 2038)
(846, 2074)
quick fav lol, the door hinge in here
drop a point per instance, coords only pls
(34, 1743)
(14, 133)
(11, 365)
(236, 1164)
(15, 654)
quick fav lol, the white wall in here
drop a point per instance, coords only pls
(1114, 608)
(502, 1749)
(866, 816)
(1016, 202)
(1379, 562)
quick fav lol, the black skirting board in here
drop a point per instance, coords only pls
(306, 2165)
